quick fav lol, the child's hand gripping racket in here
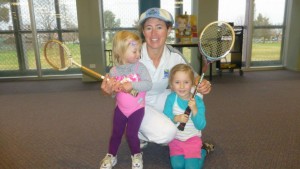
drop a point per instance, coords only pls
(215, 42)
(59, 58)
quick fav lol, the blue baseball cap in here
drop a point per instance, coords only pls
(156, 13)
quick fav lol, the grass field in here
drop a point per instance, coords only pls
(266, 51)
(9, 60)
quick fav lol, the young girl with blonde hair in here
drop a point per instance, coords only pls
(128, 74)
(185, 149)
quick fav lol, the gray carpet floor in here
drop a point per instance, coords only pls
(253, 120)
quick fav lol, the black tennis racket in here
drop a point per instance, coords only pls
(215, 42)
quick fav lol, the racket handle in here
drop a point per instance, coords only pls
(92, 73)
(99, 76)
(200, 80)
(134, 92)
(182, 125)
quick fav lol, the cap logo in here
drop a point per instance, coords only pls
(152, 12)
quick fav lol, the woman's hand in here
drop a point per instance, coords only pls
(204, 87)
(107, 85)
(117, 87)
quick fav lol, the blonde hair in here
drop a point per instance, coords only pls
(181, 68)
(121, 42)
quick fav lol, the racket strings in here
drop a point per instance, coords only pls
(57, 56)
(216, 41)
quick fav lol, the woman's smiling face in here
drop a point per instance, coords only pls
(155, 32)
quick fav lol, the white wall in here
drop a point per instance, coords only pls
(292, 43)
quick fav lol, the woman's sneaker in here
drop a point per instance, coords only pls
(143, 144)
(208, 147)
(137, 161)
(108, 161)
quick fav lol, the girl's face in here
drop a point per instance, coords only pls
(133, 53)
(182, 84)
(155, 32)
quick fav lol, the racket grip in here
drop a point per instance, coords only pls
(92, 73)
(182, 125)
(134, 92)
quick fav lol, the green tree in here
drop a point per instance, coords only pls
(4, 11)
(262, 21)
(69, 23)
(110, 22)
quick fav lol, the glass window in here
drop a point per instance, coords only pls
(232, 11)
(267, 28)
(5, 16)
(54, 20)
(267, 32)
(45, 15)
(8, 54)
(68, 14)
(273, 10)
(168, 5)
(120, 13)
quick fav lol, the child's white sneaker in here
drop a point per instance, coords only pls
(108, 161)
(137, 161)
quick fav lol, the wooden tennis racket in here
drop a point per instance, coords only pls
(59, 57)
